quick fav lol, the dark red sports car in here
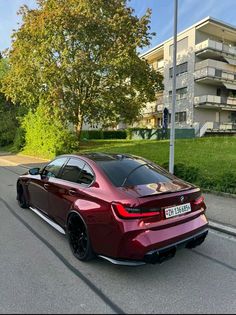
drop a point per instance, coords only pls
(123, 208)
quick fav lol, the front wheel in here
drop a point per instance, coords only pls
(21, 197)
(79, 238)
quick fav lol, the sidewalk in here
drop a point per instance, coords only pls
(221, 210)
(21, 160)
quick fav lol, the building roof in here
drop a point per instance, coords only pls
(198, 24)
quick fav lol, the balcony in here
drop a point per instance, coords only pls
(215, 64)
(213, 101)
(211, 75)
(212, 127)
(222, 127)
(211, 49)
(152, 109)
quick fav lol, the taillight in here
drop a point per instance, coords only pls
(199, 203)
(134, 213)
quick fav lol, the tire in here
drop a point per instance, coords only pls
(21, 197)
(78, 237)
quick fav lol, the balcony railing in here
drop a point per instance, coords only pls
(224, 126)
(219, 101)
(215, 64)
(154, 107)
(217, 46)
(215, 74)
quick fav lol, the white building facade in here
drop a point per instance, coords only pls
(206, 78)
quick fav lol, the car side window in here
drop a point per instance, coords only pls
(77, 171)
(72, 170)
(86, 176)
(53, 168)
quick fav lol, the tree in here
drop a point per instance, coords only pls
(81, 56)
(8, 121)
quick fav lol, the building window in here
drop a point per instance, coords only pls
(233, 117)
(218, 73)
(182, 68)
(232, 94)
(180, 94)
(180, 117)
(218, 91)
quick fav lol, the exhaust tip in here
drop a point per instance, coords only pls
(159, 257)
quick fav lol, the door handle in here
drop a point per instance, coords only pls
(46, 186)
(72, 192)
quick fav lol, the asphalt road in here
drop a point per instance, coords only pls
(38, 273)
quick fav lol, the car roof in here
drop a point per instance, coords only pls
(100, 157)
(105, 157)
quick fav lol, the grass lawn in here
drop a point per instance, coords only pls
(209, 162)
(213, 158)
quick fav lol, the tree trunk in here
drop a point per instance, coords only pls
(79, 126)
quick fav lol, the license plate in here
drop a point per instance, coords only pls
(175, 211)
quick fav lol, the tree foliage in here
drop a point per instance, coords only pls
(81, 56)
(8, 122)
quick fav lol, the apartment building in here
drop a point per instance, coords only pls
(206, 78)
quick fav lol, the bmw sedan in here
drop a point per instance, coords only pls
(120, 207)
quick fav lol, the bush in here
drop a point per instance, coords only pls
(19, 140)
(103, 134)
(8, 125)
(91, 134)
(114, 134)
(46, 135)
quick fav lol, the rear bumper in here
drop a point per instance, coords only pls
(163, 254)
(146, 243)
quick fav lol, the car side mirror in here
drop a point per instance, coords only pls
(34, 171)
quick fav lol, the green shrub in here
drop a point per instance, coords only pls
(91, 134)
(8, 125)
(129, 133)
(114, 134)
(46, 135)
(103, 134)
(19, 140)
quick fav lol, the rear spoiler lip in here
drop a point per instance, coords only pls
(192, 189)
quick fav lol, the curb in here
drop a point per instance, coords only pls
(222, 228)
(218, 193)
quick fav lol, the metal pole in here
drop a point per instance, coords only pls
(172, 130)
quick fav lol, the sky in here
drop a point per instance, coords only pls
(189, 12)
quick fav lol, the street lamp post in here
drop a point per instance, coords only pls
(172, 130)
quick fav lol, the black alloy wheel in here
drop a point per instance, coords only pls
(79, 238)
(21, 197)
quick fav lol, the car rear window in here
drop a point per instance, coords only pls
(131, 172)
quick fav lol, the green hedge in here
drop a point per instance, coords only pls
(158, 134)
(103, 134)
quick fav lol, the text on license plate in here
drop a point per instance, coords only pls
(174, 211)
